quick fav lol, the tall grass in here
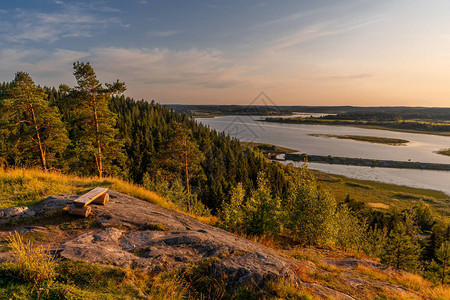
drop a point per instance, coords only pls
(25, 187)
(32, 262)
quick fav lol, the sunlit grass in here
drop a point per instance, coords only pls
(31, 262)
(384, 195)
(27, 186)
(409, 281)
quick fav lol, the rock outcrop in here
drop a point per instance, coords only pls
(135, 233)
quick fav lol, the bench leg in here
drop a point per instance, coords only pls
(103, 199)
(80, 211)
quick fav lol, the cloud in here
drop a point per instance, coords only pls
(162, 33)
(346, 77)
(69, 21)
(46, 68)
(315, 31)
(163, 67)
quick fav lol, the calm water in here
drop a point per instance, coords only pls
(421, 148)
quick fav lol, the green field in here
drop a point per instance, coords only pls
(444, 152)
(383, 196)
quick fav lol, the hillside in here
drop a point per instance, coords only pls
(135, 248)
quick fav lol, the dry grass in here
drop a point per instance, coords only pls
(25, 187)
(378, 205)
(411, 282)
(33, 263)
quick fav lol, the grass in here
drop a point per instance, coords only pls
(365, 138)
(33, 263)
(382, 194)
(444, 152)
(26, 187)
(409, 281)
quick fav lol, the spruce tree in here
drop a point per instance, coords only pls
(34, 126)
(401, 251)
(180, 155)
(95, 145)
(443, 254)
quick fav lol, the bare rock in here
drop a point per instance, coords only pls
(182, 240)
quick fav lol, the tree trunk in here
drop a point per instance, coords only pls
(38, 139)
(186, 166)
(98, 157)
(443, 270)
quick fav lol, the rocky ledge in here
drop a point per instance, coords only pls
(136, 233)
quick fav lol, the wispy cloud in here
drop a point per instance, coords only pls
(346, 77)
(68, 21)
(163, 33)
(315, 31)
(195, 68)
(46, 68)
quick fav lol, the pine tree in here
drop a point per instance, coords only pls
(34, 125)
(180, 154)
(95, 142)
(262, 210)
(232, 212)
(401, 250)
(443, 254)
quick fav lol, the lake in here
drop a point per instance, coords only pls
(421, 148)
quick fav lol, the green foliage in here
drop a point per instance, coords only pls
(175, 192)
(180, 154)
(402, 250)
(232, 213)
(443, 255)
(95, 147)
(351, 231)
(311, 211)
(262, 210)
(32, 127)
(375, 241)
(423, 216)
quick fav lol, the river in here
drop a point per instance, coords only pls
(421, 148)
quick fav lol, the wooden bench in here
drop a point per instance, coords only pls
(80, 205)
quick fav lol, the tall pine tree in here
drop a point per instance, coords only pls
(95, 146)
(33, 125)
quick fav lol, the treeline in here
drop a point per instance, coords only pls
(91, 129)
(256, 110)
(441, 114)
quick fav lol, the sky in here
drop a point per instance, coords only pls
(348, 52)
